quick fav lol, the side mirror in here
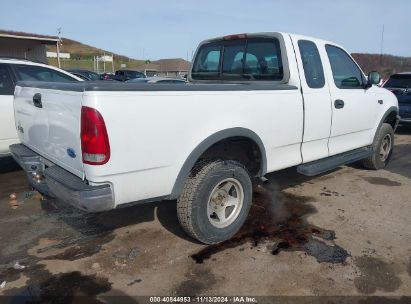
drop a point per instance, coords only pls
(373, 78)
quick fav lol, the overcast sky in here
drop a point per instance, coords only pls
(172, 28)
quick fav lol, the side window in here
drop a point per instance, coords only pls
(207, 63)
(313, 68)
(263, 60)
(6, 83)
(29, 72)
(346, 73)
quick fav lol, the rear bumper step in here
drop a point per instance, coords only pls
(34, 167)
(56, 182)
(335, 161)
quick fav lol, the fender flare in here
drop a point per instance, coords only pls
(207, 143)
(386, 114)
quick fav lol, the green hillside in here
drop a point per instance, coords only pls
(82, 57)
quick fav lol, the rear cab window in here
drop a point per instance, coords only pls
(250, 59)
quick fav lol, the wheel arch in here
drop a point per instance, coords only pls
(207, 143)
(390, 116)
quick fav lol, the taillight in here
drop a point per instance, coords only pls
(94, 138)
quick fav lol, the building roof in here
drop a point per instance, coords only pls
(172, 65)
(148, 67)
(28, 36)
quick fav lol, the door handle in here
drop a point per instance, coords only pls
(339, 104)
(37, 100)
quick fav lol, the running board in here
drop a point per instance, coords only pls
(335, 161)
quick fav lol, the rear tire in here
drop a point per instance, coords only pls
(383, 146)
(215, 200)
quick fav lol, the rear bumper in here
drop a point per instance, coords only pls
(54, 181)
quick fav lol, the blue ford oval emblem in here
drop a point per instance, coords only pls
(71, 153)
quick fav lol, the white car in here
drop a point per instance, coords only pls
(11, 71)
(255, 103)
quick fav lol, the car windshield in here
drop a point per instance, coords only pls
(399, 81)
(40, 73)
(93, 76)
(135, 74)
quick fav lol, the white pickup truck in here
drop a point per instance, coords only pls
(255, 103)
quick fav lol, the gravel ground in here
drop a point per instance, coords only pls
(345, 233)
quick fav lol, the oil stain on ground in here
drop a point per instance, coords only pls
(44, 287)
(375, 275)
(382, 181)
(278, 221)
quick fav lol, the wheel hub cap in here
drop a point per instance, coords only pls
(385, 147)
(225, 203)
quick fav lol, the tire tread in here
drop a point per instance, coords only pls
(184, 203)
(371, 162)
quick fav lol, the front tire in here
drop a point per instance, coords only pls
(215, 200)
(382, 146)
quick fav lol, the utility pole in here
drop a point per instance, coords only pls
(112, 62)
(382, 43)
(58, 46)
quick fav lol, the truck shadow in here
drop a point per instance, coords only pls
(403, 129)
(7, 164)
(98, 225)
(400, 162)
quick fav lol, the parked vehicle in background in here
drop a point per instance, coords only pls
(156, 80)
(124, 75)
(256, 103)
(84, 74)
(11, 71)
(106, 76)
(400, 85)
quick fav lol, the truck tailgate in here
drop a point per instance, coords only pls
(48, 122)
